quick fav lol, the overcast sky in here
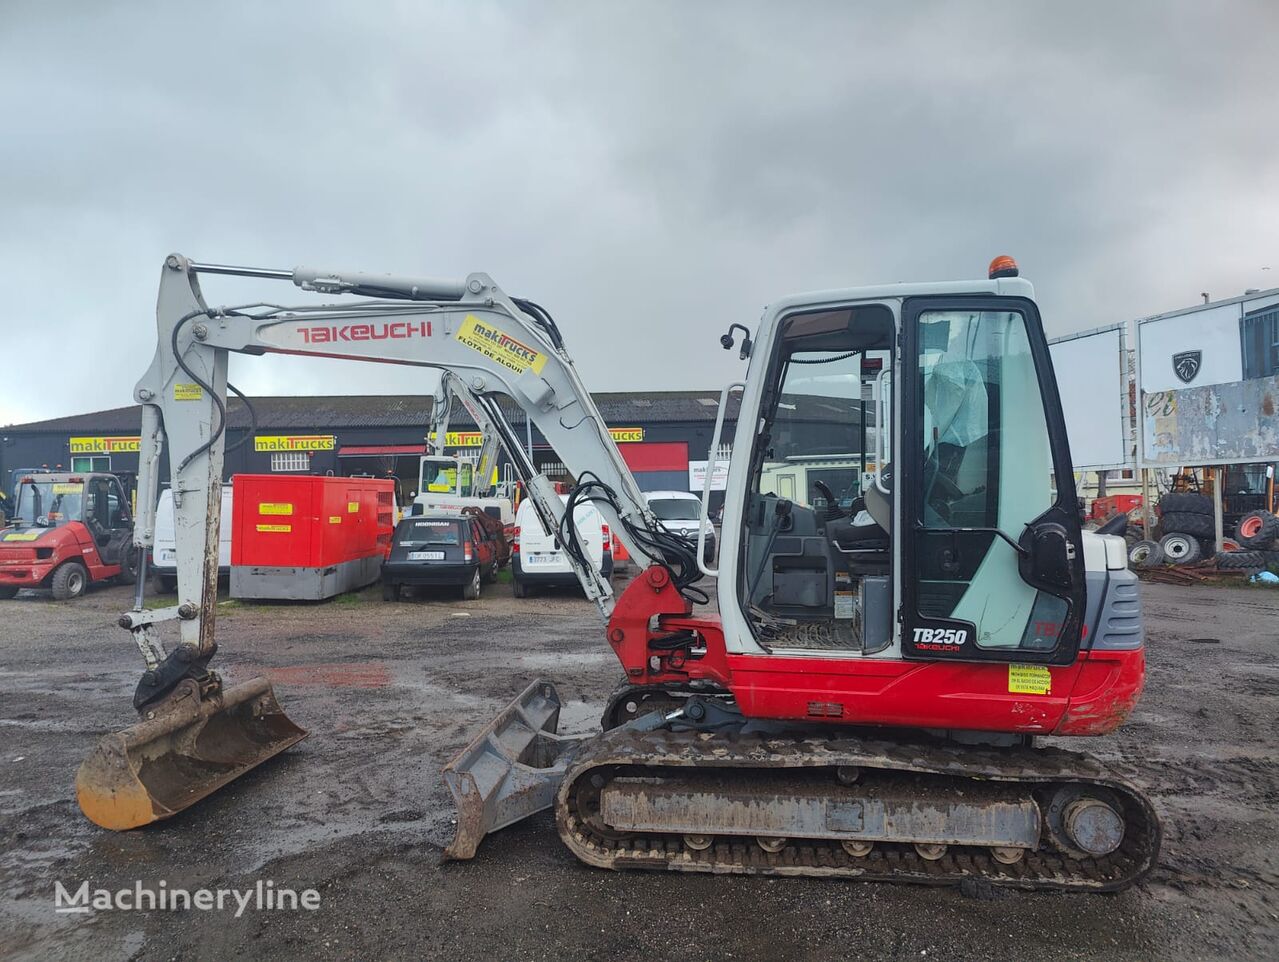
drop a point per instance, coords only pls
(650, 172)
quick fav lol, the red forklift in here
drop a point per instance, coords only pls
(65, 532)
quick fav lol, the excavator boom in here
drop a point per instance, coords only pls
(195, 735)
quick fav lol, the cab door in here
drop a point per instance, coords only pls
(107, 518)
(992, 554)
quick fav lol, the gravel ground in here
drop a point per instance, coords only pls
(391, 692)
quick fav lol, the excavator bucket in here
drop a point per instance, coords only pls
(511, 770)
(189, 749)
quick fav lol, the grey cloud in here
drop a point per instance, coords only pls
(649, 171)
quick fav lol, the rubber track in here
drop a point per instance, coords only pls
(622, 752)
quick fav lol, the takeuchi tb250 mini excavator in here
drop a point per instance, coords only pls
(892, 632)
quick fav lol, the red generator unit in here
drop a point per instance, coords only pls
(308, 537)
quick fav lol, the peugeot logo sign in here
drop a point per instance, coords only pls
(1186, 364)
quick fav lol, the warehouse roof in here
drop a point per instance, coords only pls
(388, 411)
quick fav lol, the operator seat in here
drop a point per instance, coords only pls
(867, 546)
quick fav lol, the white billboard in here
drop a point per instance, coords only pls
(1192, 349)
(1092, 378)
(1195, 407)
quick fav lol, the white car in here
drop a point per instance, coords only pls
(537, 558)
(679, 511)
(164, 556)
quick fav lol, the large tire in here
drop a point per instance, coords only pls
(1185, 502)
(471, 590)
(69, 581)
(1198, 525)
(1180, 549)
(1146, 554)
(163, 584)
(8, 591)
(390, 591)
(1244, 560)
(490, 576)
(521, 589)
(1257, 529)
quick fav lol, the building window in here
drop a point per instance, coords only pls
(553, 469)
(89, 464)
(1261, 344)
(290, 461)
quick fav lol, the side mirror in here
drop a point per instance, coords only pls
(1050, 557)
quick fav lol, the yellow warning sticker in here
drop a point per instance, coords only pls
(275, 528)
(1030, 680)
(274, 507)
(22, 536)
(187, 392)
(66, 487)
(335, 519)
(352, 507)
(500, 346)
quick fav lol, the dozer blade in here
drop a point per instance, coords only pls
(189, 749)
(511, 770)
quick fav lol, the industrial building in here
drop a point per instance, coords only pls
(663, 435)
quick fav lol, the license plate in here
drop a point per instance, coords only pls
(426, 555)
(540, 560)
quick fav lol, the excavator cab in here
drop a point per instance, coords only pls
(959, 547)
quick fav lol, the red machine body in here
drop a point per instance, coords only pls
(31, 555)
(1091, 696)
(1111, 505)
(28, 558)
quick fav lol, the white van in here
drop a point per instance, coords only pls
(679, 511)
(164, 556)
(537, 558)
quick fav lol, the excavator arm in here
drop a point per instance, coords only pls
(487, 343)
(441, 410)
(453, 387)
(482, 477)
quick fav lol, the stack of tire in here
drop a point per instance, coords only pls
(1256, 534)
(1187, 528)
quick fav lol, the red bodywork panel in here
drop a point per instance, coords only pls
(1093, 696)
(22, 564)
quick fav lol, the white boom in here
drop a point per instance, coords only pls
(487, 343)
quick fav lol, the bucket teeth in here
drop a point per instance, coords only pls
(187, 748)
